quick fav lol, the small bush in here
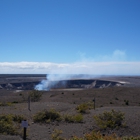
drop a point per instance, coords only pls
(85, 107)
(9, 124)
(92, 136)
(112, 119)
(131, 138)
(47, 116)
(68, 118)
(35, 95)
(56, 135)
(7, 128)
(82, 108)
(5, 104)
(97, 136)
(78, 118)
(15, 102)
(73, 118)
(18, 118)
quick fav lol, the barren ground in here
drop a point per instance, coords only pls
(66, 100)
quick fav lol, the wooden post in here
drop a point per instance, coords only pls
(94, 103)
(29, 102)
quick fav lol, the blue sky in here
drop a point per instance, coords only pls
(54, 36)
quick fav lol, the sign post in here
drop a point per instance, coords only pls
(24, 125)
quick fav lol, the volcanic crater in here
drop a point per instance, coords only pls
(62, 84)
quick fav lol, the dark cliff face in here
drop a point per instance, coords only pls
(82, 83)
(78, 83)
(19, 86)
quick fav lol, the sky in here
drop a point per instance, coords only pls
(100, 37)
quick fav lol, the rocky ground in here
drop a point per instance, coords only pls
(66, 100)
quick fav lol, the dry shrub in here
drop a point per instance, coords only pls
(46, 116)
(97, 136)
(56, 135)
(18, 118)
(35, 95)
(78, 118)
(5, 103)
(84, 107)
(131, 138)
(112, 119)
(9, 124)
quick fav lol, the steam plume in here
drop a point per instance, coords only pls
(53, 79)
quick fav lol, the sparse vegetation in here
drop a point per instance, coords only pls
(6, 125)
(35, 95)
(131, 138)
(15, 102)
(52, 115)
(84, 107)
(18, 118)
(97, 136)
(5, 103)
(112, 119)
(8, 103)
(78, 118)
(46, 116)
(92, 136)
(68, 118)
(56, 135)
(73, 123)
(9, 124)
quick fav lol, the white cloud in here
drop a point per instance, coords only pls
(96, 68)
(117, 55)
(114, 64)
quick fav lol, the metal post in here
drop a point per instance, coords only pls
(24, 136)
(24, 125)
